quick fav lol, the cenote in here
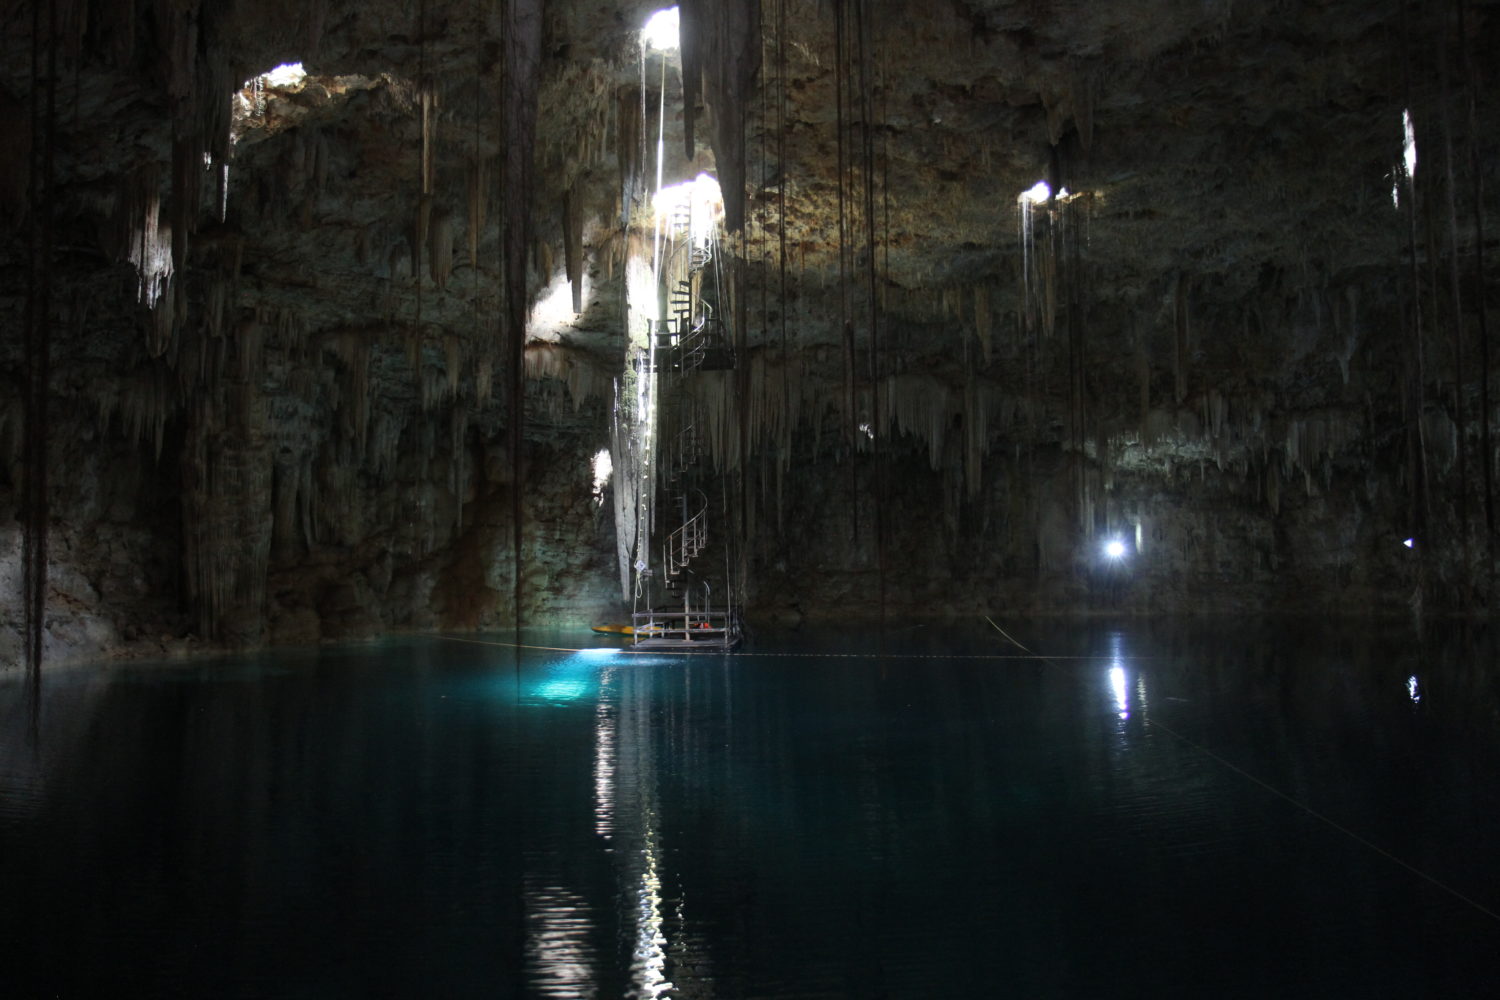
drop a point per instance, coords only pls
(1138, 809)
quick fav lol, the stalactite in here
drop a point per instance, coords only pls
(484, 375)
(478, 202)
(428, 102)
(629, 135)
(627, 477)
(721, 49)
(352, 348)
(1143, 380)
(453, 362)
(433, 386)
(1047, 263)
(227, 521)
(421, 234)
(143, 237)
(694, 30)
(983, 323)
(1215, 413)
(413, 341)
(544, 260)
(584, 378)
(1456, 317)
(286, 486)
(250, 340)
(440, 250)
(1351, 330)
(1081, 87)
(1181, 330)
(920, 406)
(572, 226)
(458, 426)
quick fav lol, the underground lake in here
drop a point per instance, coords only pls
(1037, 809)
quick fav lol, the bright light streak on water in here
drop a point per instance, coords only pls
(604, 765)
(1117, 685)
(559, 951)
(650, 958)
(1413, 689)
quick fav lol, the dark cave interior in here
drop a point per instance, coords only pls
(301, 355)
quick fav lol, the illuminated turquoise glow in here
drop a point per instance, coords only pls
(561, 689)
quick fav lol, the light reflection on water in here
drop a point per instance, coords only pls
(461, 820)
(559, 949)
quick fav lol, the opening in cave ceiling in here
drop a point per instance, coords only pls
(661, 30)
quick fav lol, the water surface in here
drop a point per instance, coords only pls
(1191, 809)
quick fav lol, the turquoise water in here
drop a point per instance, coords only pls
(1198, 809)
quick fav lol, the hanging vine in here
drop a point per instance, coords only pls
(37, 361)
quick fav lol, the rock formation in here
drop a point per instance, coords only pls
(327, 351)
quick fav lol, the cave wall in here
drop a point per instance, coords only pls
(282, 314)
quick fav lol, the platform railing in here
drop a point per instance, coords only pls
(706, 626)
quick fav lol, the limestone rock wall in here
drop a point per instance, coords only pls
(1252, 338)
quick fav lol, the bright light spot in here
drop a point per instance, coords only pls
(1036, 194)
(1409, 143)
(602, 653)
(1117, 685)
(640, 300)
(1138, 534)
(1413, 689)
(867, 431)
(603, 467)
(553, 312)
(660, 31)
(1061, 195)
(1410, 543)
(698, 203)
(285, 75)
(1114, 549)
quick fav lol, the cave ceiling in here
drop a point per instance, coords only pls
(1246, 152)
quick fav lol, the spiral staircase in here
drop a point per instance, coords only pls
(696, 609)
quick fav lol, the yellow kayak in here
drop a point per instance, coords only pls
(615, 629)
(625, 629)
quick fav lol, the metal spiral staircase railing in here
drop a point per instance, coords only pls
(691, 340)
(692, 337)
(684, 544)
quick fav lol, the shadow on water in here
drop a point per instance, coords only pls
(1240, 808)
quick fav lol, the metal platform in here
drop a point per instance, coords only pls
(710, 631)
